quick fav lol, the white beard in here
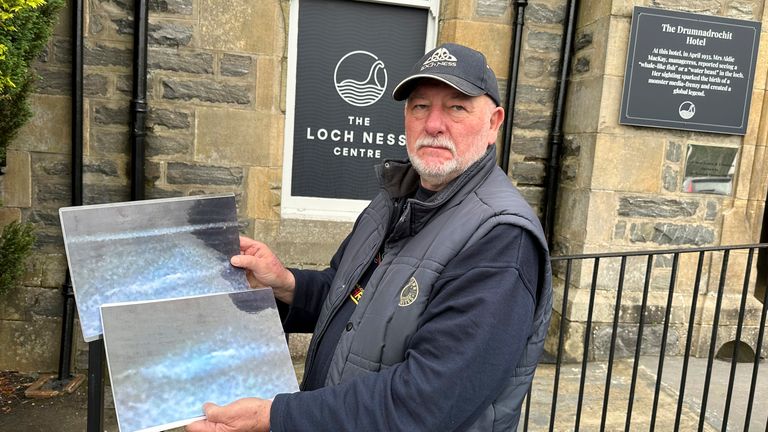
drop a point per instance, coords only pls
(444, 172)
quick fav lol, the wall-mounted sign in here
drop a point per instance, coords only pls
(345, 59)
(689, 71)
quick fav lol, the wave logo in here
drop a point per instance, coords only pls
(360, 78)
(687, 110)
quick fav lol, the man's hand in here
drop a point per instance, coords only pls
(264, 269)
(243, 415)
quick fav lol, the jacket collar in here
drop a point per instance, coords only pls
(399, 180)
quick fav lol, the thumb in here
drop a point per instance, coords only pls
(213, 412)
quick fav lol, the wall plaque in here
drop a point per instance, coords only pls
(689, 71)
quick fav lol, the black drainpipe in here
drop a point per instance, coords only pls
(514, 67)
(139, 101)
(95, 421)
(556, 134)
(76, 185)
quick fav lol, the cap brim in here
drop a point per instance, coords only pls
(404, 89)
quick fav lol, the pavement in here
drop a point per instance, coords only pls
(68, 413)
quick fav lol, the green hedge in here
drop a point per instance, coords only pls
(16, 242)
(25, 26)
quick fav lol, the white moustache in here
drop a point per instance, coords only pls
(438, 142)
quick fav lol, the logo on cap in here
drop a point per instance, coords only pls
(360, 78)
(441, 57)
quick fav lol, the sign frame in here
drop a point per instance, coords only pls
(636, 112)
(316, 208)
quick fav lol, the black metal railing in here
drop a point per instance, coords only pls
(680, 285)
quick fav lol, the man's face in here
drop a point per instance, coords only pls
(446, 131)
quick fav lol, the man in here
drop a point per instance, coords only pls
(432, 314)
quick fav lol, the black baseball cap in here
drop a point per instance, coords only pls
(461, 67)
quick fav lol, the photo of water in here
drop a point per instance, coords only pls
(167, 358)
(153, 249)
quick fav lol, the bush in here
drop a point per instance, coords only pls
(16, 242)
(25, 26)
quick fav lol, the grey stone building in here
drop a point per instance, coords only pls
(218, 95)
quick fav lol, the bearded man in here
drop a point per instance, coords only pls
(433, 311)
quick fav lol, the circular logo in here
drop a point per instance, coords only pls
(687, 110)
(410, 293)
(360, 78)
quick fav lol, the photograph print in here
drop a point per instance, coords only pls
(152, 249)
(168, 357)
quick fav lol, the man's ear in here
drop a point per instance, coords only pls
(497, 117)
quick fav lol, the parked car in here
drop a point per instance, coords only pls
(709, 185)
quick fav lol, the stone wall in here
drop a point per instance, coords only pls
(216, 93)
(620, 188)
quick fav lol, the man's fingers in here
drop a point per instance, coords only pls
(201, 426)
(246, 243)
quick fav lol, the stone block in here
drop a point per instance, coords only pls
(536, 67)
(209, 175)
(101, 54)
(305, 243)
(735, 228)
(103, 167)
(655, 207)
(105, 142)
(530, 173)
(543, 41)
(53, 81)
(617, 41)
(572, 213)
(600, 219)
(48, 130)
(158, 144)
(534, 95)
(30, 346)
(206, 91)
(610, 105)
(743, 9)
(670, 179)
(456, 9)
(233, 65)
(54, 269)
(269, 77)
(17, 183)
(755, 117)
(591, 11)
(13, 305)
(169, 33)
(263, 193)
(618, 167)
(175, 60)
(530, 144)
(176, 7)
(101, 193)
(712, 211)
(672, 234)
(489, 38)
(236, 136)
(107, 115)
(8, 215)
(247, 27)
(542, 13)
(169, 119)
(491, 8)
(583, 93)
(761, 66)
(746, 169)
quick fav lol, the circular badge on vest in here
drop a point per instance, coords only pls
(409, 293)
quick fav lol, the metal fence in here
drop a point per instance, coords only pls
(711, 303)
